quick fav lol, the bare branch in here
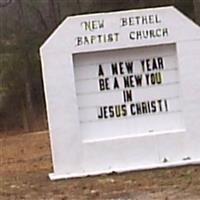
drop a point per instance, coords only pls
(5, 3)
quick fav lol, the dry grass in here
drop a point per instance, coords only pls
(26, 162)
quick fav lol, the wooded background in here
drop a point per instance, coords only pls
(24, 26)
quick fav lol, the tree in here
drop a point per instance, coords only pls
(5, 3)
(197, 10)
(21, 73)
(24, 26)
(186, 7)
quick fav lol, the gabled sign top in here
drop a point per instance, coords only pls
(103, 31)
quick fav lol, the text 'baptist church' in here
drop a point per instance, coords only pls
(137, 21)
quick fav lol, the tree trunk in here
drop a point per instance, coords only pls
(53, 13)
(24, 117)
(197, 10)
(78, 5)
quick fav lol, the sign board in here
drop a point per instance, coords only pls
(122, 92)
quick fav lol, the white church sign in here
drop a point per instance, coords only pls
(122, 92)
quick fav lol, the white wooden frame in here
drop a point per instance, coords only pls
(73, 157)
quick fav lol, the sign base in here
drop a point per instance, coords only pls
(54, 176)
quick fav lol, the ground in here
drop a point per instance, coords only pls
(25, 162)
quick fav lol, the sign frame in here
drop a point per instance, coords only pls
(74, 157)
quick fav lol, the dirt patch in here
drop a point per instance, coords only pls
(26, 162)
